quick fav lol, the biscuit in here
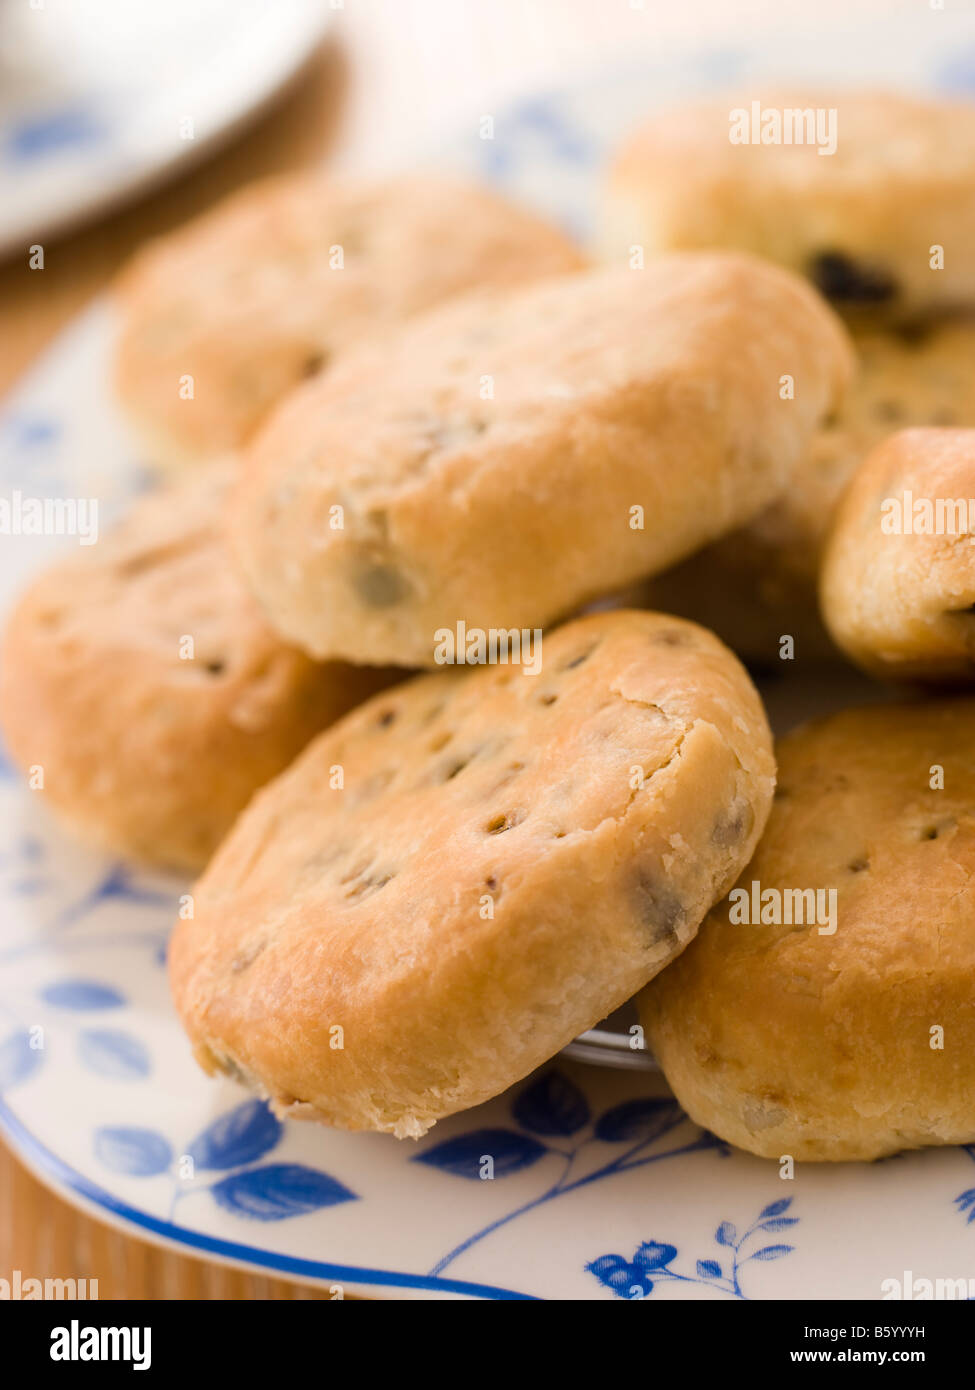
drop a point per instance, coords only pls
(511, 857)
(144, 752)
(277, 280)
(898, 579)
(488, 463)
(783, 1040)
(864, 223)
(760, 582)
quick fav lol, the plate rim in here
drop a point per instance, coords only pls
(114, 188)
(68, 1183)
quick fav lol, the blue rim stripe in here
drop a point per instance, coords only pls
(32, 1149)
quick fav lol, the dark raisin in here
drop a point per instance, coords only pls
(732, 825)
(314, 363)
(380, 586)
(659, 909)
(913, 333)
(578, 660)
(851, 282)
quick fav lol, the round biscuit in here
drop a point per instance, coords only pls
(898, 577)
(221, 318)
(459, 877)
(789, 1039)
(864, 221)
(145, 752)
(503, 461)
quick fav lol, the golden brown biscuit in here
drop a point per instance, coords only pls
(760, 582)
(489, 462)
(276, 281)
(898, 579)
(143, 751)
(509, 858)
(785, 1039)
(864, 222)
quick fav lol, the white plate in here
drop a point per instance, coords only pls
(601, 1187)
(95, 95)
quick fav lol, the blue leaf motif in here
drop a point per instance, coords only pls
(775, 1208)
(18, 1060)
(709, 1269)
(279, 1190)
(82, 995)
(243, 1134)
(638, 1119)
(462, 1156)
(141, 1153)
(551, 1105)
(772, 1252)
(653, 1255)
(640, 1285)
(965, 1201)
(781, 1223)
(725, 1234)
(625, 1280)
(112, 1053)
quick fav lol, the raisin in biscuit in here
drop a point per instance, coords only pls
(489, 458)
(783, 1040)
(510, 858)
(860, 222)
(253, 296)
(898, 580)
(144, 752)
(760, 582)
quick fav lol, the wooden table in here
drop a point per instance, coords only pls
(395, 73)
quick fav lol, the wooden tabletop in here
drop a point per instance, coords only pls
(394, 75)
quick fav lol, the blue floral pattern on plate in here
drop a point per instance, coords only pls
(652, 1261)
(577, 1184)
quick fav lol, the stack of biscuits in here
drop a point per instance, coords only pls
(411, 649)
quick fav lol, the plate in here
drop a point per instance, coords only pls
(579, 1183)
(98, 99)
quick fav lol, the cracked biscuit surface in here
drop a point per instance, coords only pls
(901, 601)
(510, 857)
(785, 1041)
(279, 279)
(145, 752)
(484, 463)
